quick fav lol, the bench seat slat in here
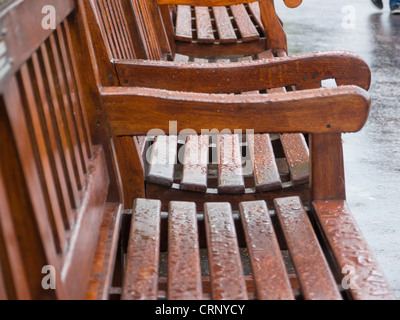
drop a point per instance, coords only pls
(297, 156)
(162, 160)
(246, 27)
(230, 172)
(315, 277)
(141, 274)
(204, 26)
(351, 251)
(226, 269)
(226, 32)
(184, 272)
(255, 11)
(195, 165)
(271, 278)
(184, 24)
(266, 173)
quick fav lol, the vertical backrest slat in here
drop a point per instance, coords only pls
(25, 197)
(54, 158)
(41, 157)
(76, 108)
(66, 111)
(62, 135)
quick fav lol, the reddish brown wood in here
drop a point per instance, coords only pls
(360, 273)
(269, 271)
(244, 23)
(194, 176)
(315, 277)
(230, 173)
(226, 271)
(184, 24)
(141, 274)
(104, 260)
(205, 33)
(184, 271)
(226, 32)
(266, 174)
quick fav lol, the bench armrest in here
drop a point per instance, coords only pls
(210, 3)
(135, 111)
(345, 67)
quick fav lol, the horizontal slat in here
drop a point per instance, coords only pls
(297, 156)
(162, 160)
(204, 27)
(142, 259)
(361, 273)
(184, 24)
(194, 177)
(271, 278)
(244, 23)
(223, 253)
(184, 272)
(266, 174)
(230, 172)
(226, 32)
(315, 277)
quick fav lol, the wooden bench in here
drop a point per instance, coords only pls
(224, 27)
(142, 21)
(57, 205)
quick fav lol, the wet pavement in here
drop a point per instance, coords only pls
(372, 156)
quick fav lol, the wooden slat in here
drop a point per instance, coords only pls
(271, 278)
(226, 32)
(184, 24)
(297, 156)
(42, 157)
(59, 125)
(74, 96)
(3, 291)
(181, 58)
(36, 72)
(205, 33)
(66, 111)
(184, 271)
(162, 160)
(105, 257)
(266, 173)
(141, 274)
(315, 277)
(246, 27)
(223, 253)
(255, 11)
(230, 172)
(354, 258)
(195, 165)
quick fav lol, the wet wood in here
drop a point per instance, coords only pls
(272, 281)
(184, 271)
(297, 156)
(184, 23)
(357, 267)
(162, 160)
(246, 27)
(205, 33)
(230, 173)
(266, 174)
(226, 270)
(315, 277)
(226, 32)
(194, 177)
(141, 273)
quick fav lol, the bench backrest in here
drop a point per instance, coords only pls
(53, 181)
